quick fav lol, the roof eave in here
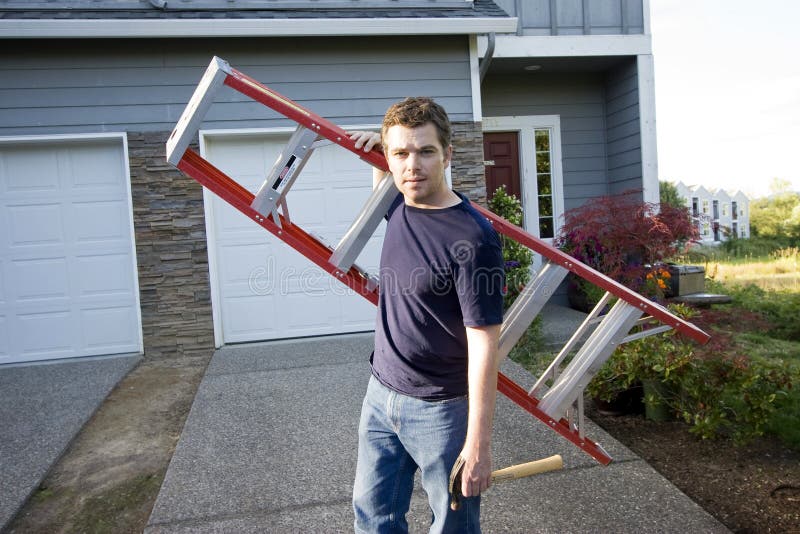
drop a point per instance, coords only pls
(149, 28)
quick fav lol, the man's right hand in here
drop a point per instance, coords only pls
(366, 140)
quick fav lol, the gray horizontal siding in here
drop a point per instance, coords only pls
(576, 17)
(579, 101)
(623, 128)
(70, 87)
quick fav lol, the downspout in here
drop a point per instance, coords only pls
(487, 58)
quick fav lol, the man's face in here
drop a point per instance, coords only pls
(417, 161)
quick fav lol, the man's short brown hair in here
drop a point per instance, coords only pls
(416, 111)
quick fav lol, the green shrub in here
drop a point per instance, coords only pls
(718, 391)
(732, 395)
(518, 258)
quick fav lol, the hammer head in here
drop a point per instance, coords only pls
(455, 484)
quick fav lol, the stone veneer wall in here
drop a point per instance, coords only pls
(171, 252)
(467, 166)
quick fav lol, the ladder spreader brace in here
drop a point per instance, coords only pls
(557, 396)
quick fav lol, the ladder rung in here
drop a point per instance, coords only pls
(192, 116)
(551, 373)
(594, 352)
(357, 236)
(647, 333)
(284, 172)
(528, 304)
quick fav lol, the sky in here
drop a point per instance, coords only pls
(727, 79)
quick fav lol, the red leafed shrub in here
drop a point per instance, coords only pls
(626, 238)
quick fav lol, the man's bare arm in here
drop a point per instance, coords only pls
(482, 377)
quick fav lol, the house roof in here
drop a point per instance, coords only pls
(97, 19)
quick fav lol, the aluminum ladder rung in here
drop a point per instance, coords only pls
(283, 174)
(528, 304)
(357, 236)
(552, 371)
(595, 351)
(192, 117)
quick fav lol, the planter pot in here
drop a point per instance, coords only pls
(627, 402)
(656, 405)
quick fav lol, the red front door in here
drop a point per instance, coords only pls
(501, 153)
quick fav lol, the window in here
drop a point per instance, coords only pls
(695, 204)
(716, 209)
(705, 207)
(724, 209)
(544, 182)
(734, 210)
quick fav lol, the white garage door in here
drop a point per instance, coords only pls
(67, 279)
(263, 289)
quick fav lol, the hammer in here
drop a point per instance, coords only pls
(502, 475)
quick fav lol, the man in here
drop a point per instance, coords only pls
(434, 369)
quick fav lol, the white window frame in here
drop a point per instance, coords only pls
(525, 126)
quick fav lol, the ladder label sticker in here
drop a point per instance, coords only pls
(286, 173)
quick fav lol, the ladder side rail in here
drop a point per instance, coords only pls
(240, 198)
(373, 212)
(189, 122)
(528, 305)
(587, 273)
(519, 396)
(597, 349)
(292, 110)
(552, 369)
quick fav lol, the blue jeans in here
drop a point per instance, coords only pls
(398, 435)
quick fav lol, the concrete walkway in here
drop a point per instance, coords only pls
(42, 408)
(270, 446)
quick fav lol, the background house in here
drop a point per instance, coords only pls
(105, 248)
(719, 215)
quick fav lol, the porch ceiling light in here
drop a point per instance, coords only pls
(531, 68)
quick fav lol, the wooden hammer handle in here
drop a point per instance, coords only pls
(544, 465)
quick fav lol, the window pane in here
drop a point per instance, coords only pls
(543, 183)
(542, 162)
(545, 227)
(543, 141)
(545, 206)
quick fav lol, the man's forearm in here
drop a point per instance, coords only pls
(482, 378)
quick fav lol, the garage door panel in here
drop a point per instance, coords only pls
(104, 275)
(255, 318)
(67, 275)
(36, 224)
(94, 166)
(307, 207)
(113, 214)
(42, 278)
(105, 328)
(30, 170)
(308, 313)
(304, 300)
(46, 334)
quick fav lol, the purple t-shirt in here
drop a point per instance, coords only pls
(441, 270)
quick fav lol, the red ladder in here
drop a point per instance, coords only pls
(560, 404)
